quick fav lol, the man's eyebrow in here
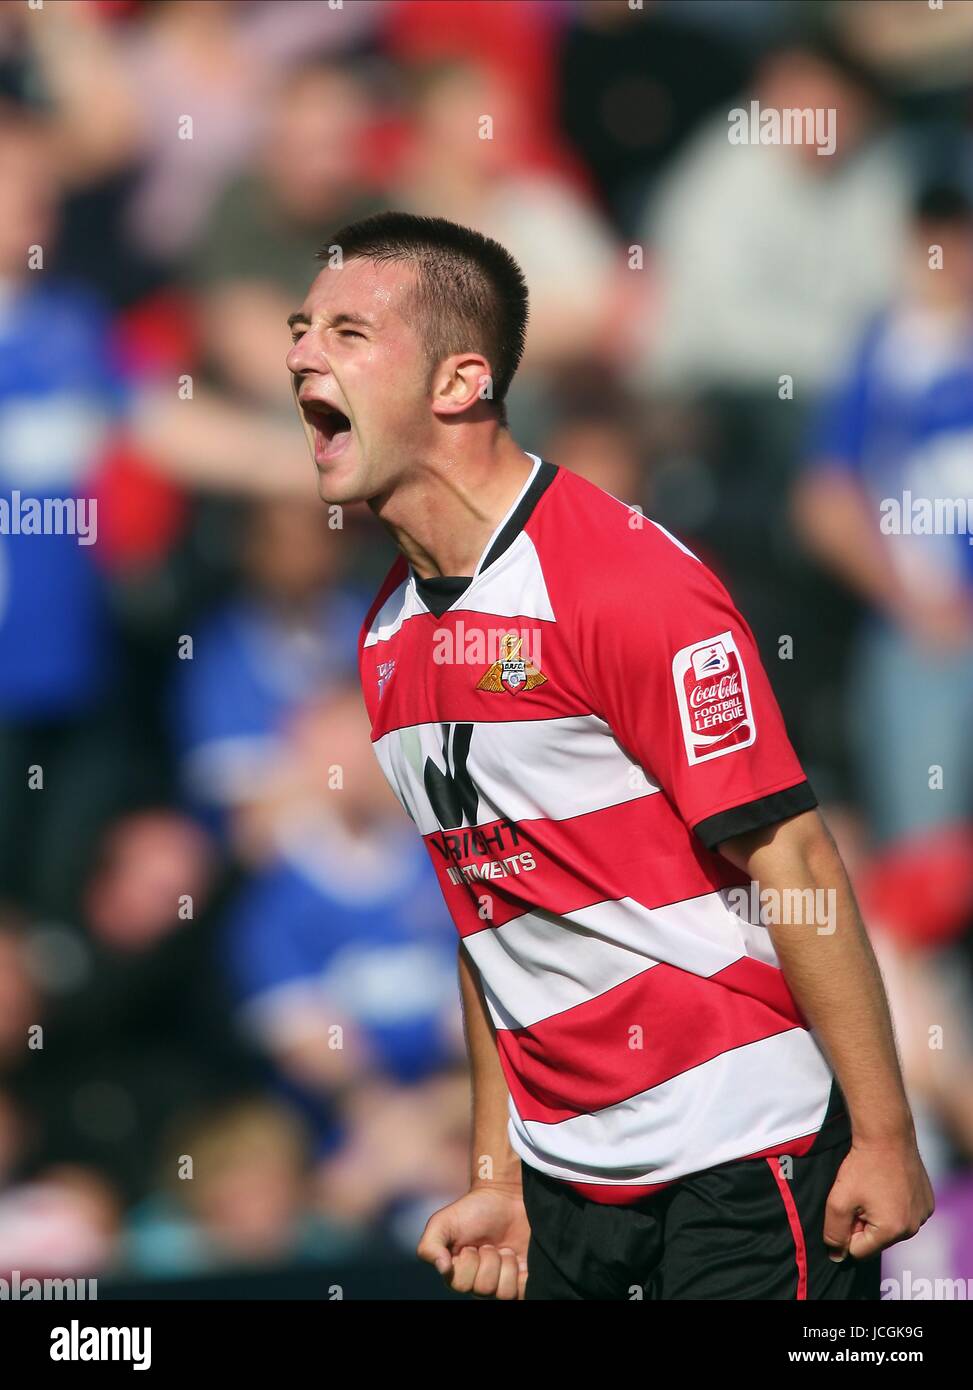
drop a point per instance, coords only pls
(337, 322)
(358, 319)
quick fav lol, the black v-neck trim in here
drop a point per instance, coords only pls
(442, 591)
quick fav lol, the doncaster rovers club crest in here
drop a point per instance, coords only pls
(512, 672)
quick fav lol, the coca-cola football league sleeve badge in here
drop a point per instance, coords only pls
(714, 701)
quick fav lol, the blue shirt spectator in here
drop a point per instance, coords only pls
(902, 424)
(886, 505)
(347, 929)
(59, 395)
(250, 670)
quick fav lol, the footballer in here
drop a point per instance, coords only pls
(671, 1094)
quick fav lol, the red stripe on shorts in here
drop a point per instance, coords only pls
(794, 1221)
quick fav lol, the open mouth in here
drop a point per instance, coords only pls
(332, 430)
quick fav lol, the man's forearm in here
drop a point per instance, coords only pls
(832, 973)
(492, 1159)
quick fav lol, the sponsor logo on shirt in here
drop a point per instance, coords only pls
(383, 672)
(501, 843)
(455, 800)
(714, 701)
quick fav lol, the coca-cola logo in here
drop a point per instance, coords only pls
(713, 697)
(723, 689)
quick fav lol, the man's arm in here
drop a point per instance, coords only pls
(492, 1160)
(479, 1243)
(834, 517)
(882, 1193)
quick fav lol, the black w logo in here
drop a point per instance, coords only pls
(452, 794)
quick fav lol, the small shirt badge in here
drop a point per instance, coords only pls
(512, 672)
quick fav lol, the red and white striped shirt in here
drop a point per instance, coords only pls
(573, 730)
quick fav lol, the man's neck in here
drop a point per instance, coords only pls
(443, 516)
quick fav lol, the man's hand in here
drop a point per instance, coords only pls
(479, 1244)
(881, 1195)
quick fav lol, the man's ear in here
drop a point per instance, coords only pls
(460, 383)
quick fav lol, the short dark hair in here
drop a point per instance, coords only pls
(470, 293)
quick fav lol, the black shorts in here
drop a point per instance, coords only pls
(737, 1231)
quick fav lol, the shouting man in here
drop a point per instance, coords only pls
(678, 1088)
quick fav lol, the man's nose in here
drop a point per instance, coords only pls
(306, 353)
(296, 358)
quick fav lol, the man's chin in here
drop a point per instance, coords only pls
(339, 490)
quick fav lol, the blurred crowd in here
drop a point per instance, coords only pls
(229, 1020)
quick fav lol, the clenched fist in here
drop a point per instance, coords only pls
(479, 1243)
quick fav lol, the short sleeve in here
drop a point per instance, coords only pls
(680, 682)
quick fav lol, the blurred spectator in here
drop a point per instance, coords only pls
(515, 43)
(181, 96)
(342, 956)
(59, 392)
(255, 259)
(634, 83)
(598, 438)
(918, 47)
(762, 261)
(245, 1200)
(765, 258)
(154, 870)
(65, 1223)
(406, 1151)
(216, 59)
(899, 433)
(60, 396)
(289, 631)
(211, 442)
(467, 162)
(135, 1021)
